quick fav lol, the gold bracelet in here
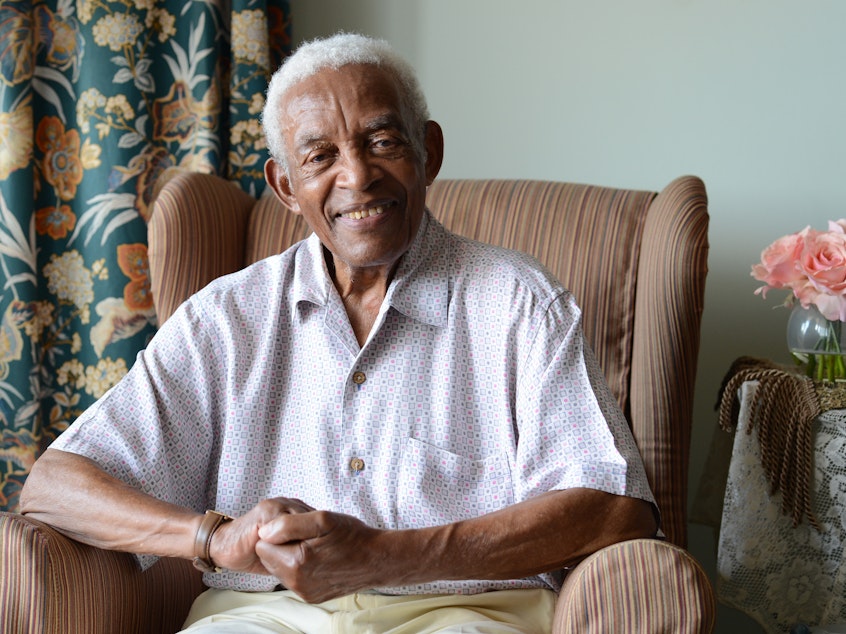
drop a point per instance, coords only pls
(202, 542)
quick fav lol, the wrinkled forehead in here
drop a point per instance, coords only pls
(351, 94)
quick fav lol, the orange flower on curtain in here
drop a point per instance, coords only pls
(56, 222)
(61, 165)
(132, 260)
(97, 100)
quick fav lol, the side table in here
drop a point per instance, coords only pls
(779, 574)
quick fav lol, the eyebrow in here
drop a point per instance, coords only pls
(310, 141)
(386, 122)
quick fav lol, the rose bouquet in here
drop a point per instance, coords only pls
(812, 265)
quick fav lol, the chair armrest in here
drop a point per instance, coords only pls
(52, 584)
(642, 585)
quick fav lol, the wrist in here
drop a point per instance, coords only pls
(211, 522)
(412, 556)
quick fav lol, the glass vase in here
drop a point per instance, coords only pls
(817, 344)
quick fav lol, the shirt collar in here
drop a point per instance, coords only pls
(419, 290)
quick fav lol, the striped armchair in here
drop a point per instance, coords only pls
(636, 262)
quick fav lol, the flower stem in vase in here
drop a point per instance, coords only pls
(828, 364)
(815, 344)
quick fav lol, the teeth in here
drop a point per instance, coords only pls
(358, 215)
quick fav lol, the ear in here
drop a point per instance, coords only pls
(434, 150)
(279, 182)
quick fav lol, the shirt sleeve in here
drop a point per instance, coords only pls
(153, 430)
(572, 432)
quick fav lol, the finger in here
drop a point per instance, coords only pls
(269, 509)
(294, 527)
(279, 556)
(293, 505)
(283, 561)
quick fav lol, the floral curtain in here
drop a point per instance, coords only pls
(99, 98)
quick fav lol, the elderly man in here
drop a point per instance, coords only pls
(387, 428)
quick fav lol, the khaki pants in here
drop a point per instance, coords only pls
(502, 611)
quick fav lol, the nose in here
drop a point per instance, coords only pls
(358, 171)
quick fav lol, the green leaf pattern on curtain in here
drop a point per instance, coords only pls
(98, 99)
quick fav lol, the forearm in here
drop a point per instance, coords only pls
(72, 494)
(546, 533)
(321, 555)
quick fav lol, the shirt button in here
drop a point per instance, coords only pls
(357, 465)
(359, 378)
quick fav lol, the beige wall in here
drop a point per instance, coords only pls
(750, 95)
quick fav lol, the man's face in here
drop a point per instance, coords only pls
(353, 172)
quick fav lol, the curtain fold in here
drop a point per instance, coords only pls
(98, 99)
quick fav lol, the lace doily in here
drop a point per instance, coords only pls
(778, 573)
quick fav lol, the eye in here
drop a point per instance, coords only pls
(387, 143)
(320, 158)
(382, 144)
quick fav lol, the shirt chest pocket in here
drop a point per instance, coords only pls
(438, 487)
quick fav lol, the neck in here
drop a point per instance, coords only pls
(362, 291)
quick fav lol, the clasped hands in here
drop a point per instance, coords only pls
(320, 555)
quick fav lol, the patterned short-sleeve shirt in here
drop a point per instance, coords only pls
(475, 390)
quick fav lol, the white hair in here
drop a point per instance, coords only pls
(334, 52)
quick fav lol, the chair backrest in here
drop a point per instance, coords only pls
(635, 260)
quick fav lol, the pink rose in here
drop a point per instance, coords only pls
(832, 307)
(810, 263)
(823, 261)
(837, 226)
(779, 263)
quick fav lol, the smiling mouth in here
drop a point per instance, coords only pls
(364, 213)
